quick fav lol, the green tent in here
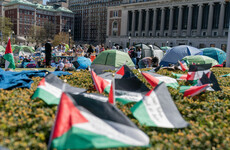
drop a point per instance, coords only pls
(110, 60)
(199, 59)
(2, 50)
(164, 48)
(22, 50)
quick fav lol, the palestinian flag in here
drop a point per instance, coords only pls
(157, 109)
(226, 75)
(155, 79)
(129, 90)
(100, 83)
(183, 66)
(9, 57)
(196, 71)
(212, 80)
(180, 76)
(193, 90)
(86, 123)
(103, 81)
(155, 69)
(50, 89)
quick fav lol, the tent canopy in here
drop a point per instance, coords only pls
(177, 53)
(215, 53)
(22, 50)
(146, 51)
(82, 63)
(164, 48)
(199, 59)
(110, 60)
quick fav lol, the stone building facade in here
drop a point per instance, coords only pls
(169, 23)
(25, 14)
(91, 19)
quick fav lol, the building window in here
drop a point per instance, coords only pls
(175, 18)
(203, 33)
(212, 45)
(167, 14)
(115, 13)
(158, 19)
(195, 11)
(115, 28)
(216, 16)
(227, 15)
(205, 16)
(150, 34)
(185, 17)
(214, 33)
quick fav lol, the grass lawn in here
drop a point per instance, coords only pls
(27, 123)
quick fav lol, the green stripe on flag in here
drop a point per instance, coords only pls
(46, 96)
(10, 58)
(184, 88)
(77, 138)
(139, 110)
(226, 75)
(107, 89)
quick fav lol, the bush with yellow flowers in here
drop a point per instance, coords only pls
(26, 123)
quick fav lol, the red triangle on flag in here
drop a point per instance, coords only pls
(121, 71)
(151, 79)
(99, 82)
(8, 48)
(67, 116)
(182, 66)
(111, 95)
(42, 82)
(195, 90)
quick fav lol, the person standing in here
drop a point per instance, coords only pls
(138, 55)
(48, 51)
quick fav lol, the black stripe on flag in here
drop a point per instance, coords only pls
(199, 67)
(212, 80)
(169, 107)
(128, 72)
(131, 84)
(109, 76)
(102, 110)
(53, 80)
(58, 83)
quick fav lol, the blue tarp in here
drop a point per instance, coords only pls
(215, 53)
(82, 63)
(177, 53)
(10, 80)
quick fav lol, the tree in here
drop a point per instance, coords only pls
(49, 29)
(36, 34)
(62, 37)
(5, 28)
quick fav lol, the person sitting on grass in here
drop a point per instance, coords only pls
(148, 62)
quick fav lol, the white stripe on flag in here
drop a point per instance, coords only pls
(56, 92)
(132, 96)
(7, 63)
(98, 126)
(167, 80)
(199, 74)
(155, 111)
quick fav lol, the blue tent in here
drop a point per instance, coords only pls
(177, 53)
(82, 63)
(215, 53)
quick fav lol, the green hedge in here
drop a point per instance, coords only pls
(26, 123)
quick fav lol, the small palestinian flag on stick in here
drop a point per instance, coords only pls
(86, 123)
(50, 89)
(100, 84)
(196, 71)
(212, 80)
(112, 94)
(129, 90)
(193, 90)
(157, 109)
(9, 57)
(226, 75)
(155, 79)
(183, 66)
(180, 76)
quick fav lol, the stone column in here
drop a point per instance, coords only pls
(147, 22)
(154, 21)
(210, 19)
(189, 24)
(140, 23)
(199, 24)
(18, 21)
(179, 21)
(170, 21)
(162, 21)
(133, 23)
(221, 19)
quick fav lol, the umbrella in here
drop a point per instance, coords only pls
(199, 59)
(177, 53)
(82, 63)
(215, 53)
